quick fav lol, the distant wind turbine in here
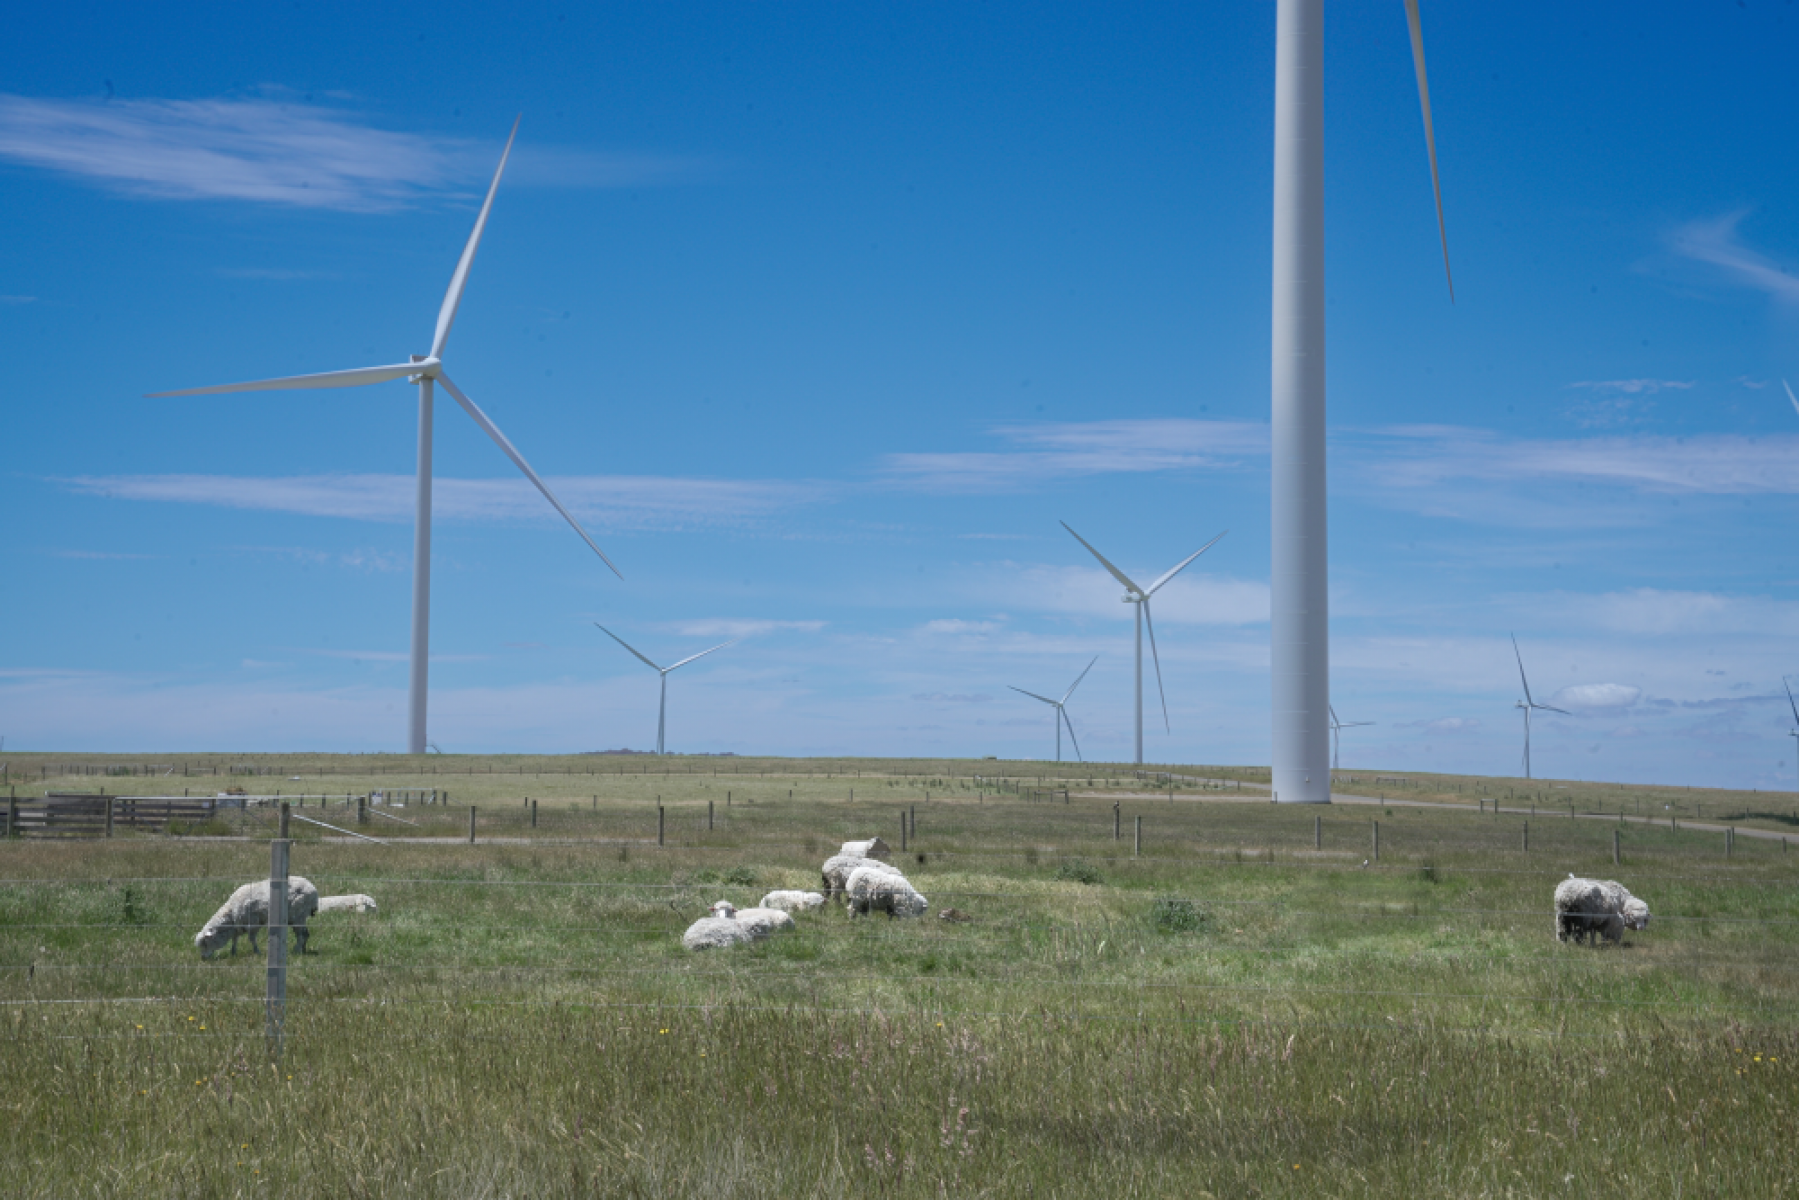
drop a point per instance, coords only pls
(1140, 597)
(1527, 704)
(1336, 728)
(1300, 567)
(1061, 707)
(662, 708)
(1790, 704)
(424, 370)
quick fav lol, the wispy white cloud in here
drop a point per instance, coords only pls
(18, 299)
(1716, 243)
(99, 554)
(622, 502)
(1656, 612)
(1633, 387)
(734, 628)
(1045, 453)
(1584, 696)
(1451, 725)
(952, 698)
(271, 151)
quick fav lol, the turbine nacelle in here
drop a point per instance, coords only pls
(429, 368)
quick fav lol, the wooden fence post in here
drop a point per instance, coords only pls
(902, 831)
(912, 822)
(362, 810)
(1614, 847)
(275, 1007)
(1117, 834)
(1527, 836)
(109, 800)
(471, 824)
(534, 814)
(660, 813)
(1137, 841)
(1376, 833)
(708, 815)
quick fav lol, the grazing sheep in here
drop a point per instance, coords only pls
(838, 868)
(356, 903)
(793, 901)
(874, 847)
(1587, 909)
(248, 912)
(879, 888)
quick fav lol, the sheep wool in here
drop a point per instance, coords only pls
(880, 888)
(793, 901)
(247, 911)
(763, 922)
(874, 847)
(837, 869)
(715, 933)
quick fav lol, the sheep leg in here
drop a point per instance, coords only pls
(300, 937)
(254, 948)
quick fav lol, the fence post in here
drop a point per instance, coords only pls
(12, 811)
(1527, 836)
(1730, 840)
(902, 831)
(1317, 832)
(1137, 841)
(471, 824)
(1376, 832)
(912, 822)
(708, 815)
(109, 800)
(1117, 834)
(275, 1009)
(728, 798)
(284, 821)
(362, 810)
(534, 814)
(660, 812)
(1614, 847)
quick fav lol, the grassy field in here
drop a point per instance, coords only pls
(1236, 1011)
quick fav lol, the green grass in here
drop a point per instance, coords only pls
(1233, 1013)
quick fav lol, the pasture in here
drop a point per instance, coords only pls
(1250, 1006)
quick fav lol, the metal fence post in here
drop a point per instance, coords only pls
(285, 821)
(660, 823)
(1137, 840)
(471, 824)
(275, 1008)
(109, 800)
(1376, 828)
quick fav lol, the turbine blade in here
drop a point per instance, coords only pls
(1790, 704)
(703, 654)
(1120, 576)
(1790, 396)
(446, 315)
(1077, 745)
(1078, 678)
(627, 645)
(1553, 708)
(1183, 565)
(1526, 682)
(324, 379)
(1035, 696)
(1151, 625)
(518, 461)
(1332, 709)
(1430, 138)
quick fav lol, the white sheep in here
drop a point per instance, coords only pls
(874, 847)
(793, 901)
(727, 925)
(876, 887)
(1593, 908)
(357, 903)
(248, 912)
(763, 922)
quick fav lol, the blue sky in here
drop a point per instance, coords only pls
(821, 317)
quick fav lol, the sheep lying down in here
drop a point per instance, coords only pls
(1586, 909)
(248, 912)
(793, 901)
(356, 903)
(731, 926)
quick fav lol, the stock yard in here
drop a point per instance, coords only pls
(1251, 1005)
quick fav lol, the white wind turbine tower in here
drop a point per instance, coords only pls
(1140, 597)
(424, 370)
(1061, 707)
(662, 708)
(1527, 704)
(1337, 727)
(1795, 707)
(1301, 614)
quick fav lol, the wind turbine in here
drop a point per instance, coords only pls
(426, 370)
(1527, 704)
(1140, 597)
(662, 709)
(1783, 683)
(1300, 575)
(1336, 728)
(1061, 707)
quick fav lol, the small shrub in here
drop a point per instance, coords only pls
(1030, 856)
(706, 876)
(131, 908)
(1172, 914)
(1078, 870)
(742, 876)
(1428, 873)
